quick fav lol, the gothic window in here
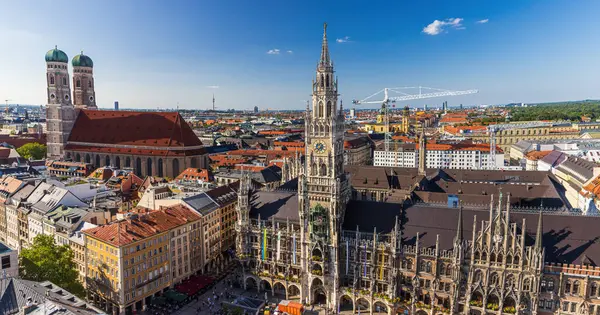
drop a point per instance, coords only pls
(322, 80)
(327, 81)
(576, 287)
(510, 281)
(593, 289)
(526, 284)
(493, 257)
(484, 256)
(328, 108)
(494, 279)
(499, 258)
(477, 256)
(90, 83)
(516, 260)
(64, 81)
(320, 114)
(323, 170)
(78, 83)
(409, 264)
(477, 276)
(52, 80)
(449, 270)
(442, 269)
(428, 267)
(568, 287)
(508, 259)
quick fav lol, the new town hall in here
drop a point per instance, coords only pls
(413, 241)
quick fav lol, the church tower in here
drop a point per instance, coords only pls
(60, 113)
(84, 95)
(324, 190)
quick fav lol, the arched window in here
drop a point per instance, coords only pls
(593, 289)
(476, 256)
(576, 287)
(327, 81)
(160, 167)
(320, 114)
(477, 276)
(64, 81)
(422, 266)
(484, 256)
(449, 270)
(499, 258)
(127, 162)
(314, 170)
(175, 167)
(442, 269)
(117, 162)
(516, 260)
(138, 167)
(508, 259)
(526, 284)
(510, 281)
(493, 257)
(97, 161)
(328, 109)
(149, 167)
(77, 157)
(52, 80)
(568, 287)
(409, 264)
(88, 159)
(322, 80)
(428, 267)
(323, 170)
(107, 160)
(494, 279)
(78, 83)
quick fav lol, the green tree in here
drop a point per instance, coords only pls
(32, 150)
(46, 261)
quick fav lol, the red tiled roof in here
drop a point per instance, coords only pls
(192, 173)
(150, 129)
(132, 230)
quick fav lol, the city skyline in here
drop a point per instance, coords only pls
(149, 55)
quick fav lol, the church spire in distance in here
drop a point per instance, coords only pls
(325, 60)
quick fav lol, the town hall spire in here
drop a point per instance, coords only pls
(325, 60)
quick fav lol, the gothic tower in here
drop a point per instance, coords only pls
(60, 113)
(324, 188)
(84, 95)
(422, 152)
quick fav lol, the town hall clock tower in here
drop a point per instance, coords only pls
(324, 188)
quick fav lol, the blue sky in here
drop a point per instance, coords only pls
(150, 54)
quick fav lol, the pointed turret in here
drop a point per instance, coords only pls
(538, 234)
(459, 228)
(325, 60)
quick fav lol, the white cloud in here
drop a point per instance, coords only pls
(273, 51)
(290, 52)
(213, 86)
(344, 39)
(436, 27)
(483, 21)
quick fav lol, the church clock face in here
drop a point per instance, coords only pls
(319, 147)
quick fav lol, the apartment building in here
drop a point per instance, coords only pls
(8, 186)
(441, 155)
(131, 260)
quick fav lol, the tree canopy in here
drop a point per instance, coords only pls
(572, 111)
(32, 150)
(46, 261)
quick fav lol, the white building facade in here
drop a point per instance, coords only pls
(448, 157)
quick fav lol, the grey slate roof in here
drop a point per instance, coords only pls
(281, 205)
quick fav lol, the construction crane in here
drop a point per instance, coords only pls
(6, 103)
(385, 103)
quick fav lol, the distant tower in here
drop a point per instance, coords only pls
(84, 95)
(445, 106)
(405, 120)
(422, 152)
(256, 109)
(60, 113)
(425, 107)
(116, 105)
(213, 108)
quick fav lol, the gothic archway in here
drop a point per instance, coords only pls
(279, 290)
(363, 305)
(265, 285)
(346, 303)
(293, 292)
(379, 308)
(250, 283)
